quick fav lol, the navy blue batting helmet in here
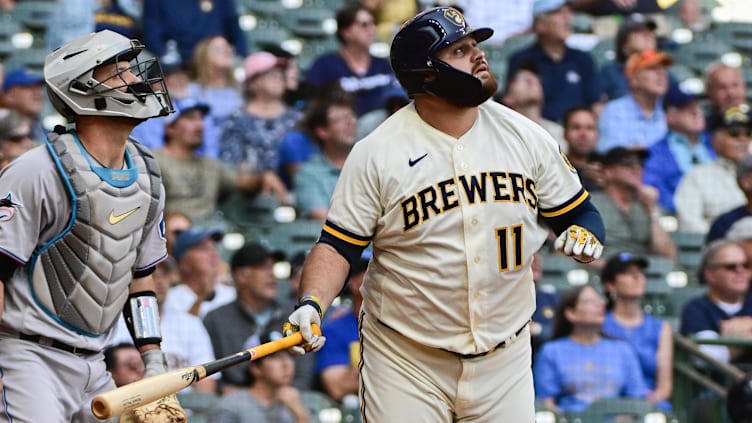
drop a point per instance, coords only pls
(413, 56)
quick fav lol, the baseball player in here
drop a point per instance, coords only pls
(80, 234)
(451, 190)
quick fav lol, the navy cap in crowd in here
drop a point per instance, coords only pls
(677, 97)
(183, 106)
(21, 77)
(250, 255)
(192, 236)
(620, 155)
(620, 263)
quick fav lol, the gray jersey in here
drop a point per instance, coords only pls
(36, 209)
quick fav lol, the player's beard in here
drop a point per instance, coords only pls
(490, 85)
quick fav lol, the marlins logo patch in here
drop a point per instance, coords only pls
(454, 17)
(8, 208)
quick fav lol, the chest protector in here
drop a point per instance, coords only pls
(81, 276)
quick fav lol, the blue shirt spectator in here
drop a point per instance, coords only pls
(352, 67)
(187, 23)
(685, 145)
(296, 147)
(569, 76)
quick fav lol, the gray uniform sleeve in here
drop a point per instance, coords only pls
(153, 248)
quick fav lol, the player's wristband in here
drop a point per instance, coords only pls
(313, 301)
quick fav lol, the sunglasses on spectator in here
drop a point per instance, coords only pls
(732, 266)
(18, 137)
(737, 131)
(364, 24)
(630, 162)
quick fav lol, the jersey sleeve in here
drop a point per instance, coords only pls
(355, 206)
(558, 186)
(28, 200)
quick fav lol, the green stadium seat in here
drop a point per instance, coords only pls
(617, 410)
(268, 32)
(8, 28)
(736, 34)
(262, 8)
(689, 246)
(310, 22)
(293, 237)
(603, 52)
(34, 14)
(319, 405)
(701, 52)
(197, 405)
(32, 58)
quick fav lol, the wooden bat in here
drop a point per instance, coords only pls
(144, 391)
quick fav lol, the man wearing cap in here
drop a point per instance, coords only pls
(22, 92)
(269, 395)
(15, 136)
(200, 289)
(194, 184)
(636, 33)
(630, 208)
(685, 145)
(254, 310)
(637, 119)
(569, 76)
(724, 226)
(708, 190)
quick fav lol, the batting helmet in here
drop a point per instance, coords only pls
(413, 56)
(73, 91)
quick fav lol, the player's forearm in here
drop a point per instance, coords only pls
(324, 274)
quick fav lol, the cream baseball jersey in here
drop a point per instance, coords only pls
(454, 223)
(39, 209)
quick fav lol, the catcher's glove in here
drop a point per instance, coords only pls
(163, 410)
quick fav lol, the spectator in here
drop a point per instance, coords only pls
(254, 310)
(685, 145)
(22, 93)
(739, 400)
(708, 190)
(726, 309)
(581, 136)
(297, 92)
(693, 16)
(190, 23)
(637, 118)
(352, 67)
(124, 363)
(389, 15)
(394, 99)
(194, 185)
(579, 365)
(725, 87)
(629, 207)
(506, 18)
(337, 364)
(175, 223)
(151, 132)
(568, 75)
(524, 94)
(213, 82)
(269, 397)
(185, 341)
(741, 233)
(252, 135)
(721, 226)
(636, 33)
(199, 264)
(15, 136)
(624, 282)
(542, 323)
(332, 124)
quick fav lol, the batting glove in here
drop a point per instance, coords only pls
(307, 312)
(579, 243)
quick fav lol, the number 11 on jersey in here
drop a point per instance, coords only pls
(509, 240)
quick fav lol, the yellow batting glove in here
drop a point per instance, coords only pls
(579, 243)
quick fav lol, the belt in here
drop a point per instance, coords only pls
(501, 344)
(43, 340)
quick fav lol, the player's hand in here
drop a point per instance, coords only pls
(163, 410)
(301, 320)
(579, 243)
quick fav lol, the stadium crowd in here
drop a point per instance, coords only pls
(661, 153)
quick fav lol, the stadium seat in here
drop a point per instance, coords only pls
(617, 409)
(701, 52)
(603, 52)
(268, 32)
(293, 237)
(680, 296)
(737, 34)
(319, 405)
(689, 246)
(262, 8)
(32, 58)
(8, 28)
(34, 14)
(310, 23)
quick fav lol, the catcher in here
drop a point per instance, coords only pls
(80, 233)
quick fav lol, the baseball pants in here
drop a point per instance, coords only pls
(45, 384)
(402, 380)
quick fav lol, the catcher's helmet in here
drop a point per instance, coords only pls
(413, 56)
(73, 91)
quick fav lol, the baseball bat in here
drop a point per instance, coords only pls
(144, 391)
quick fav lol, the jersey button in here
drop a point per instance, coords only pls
(460, 147)
(474, 221)
(476, 260)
